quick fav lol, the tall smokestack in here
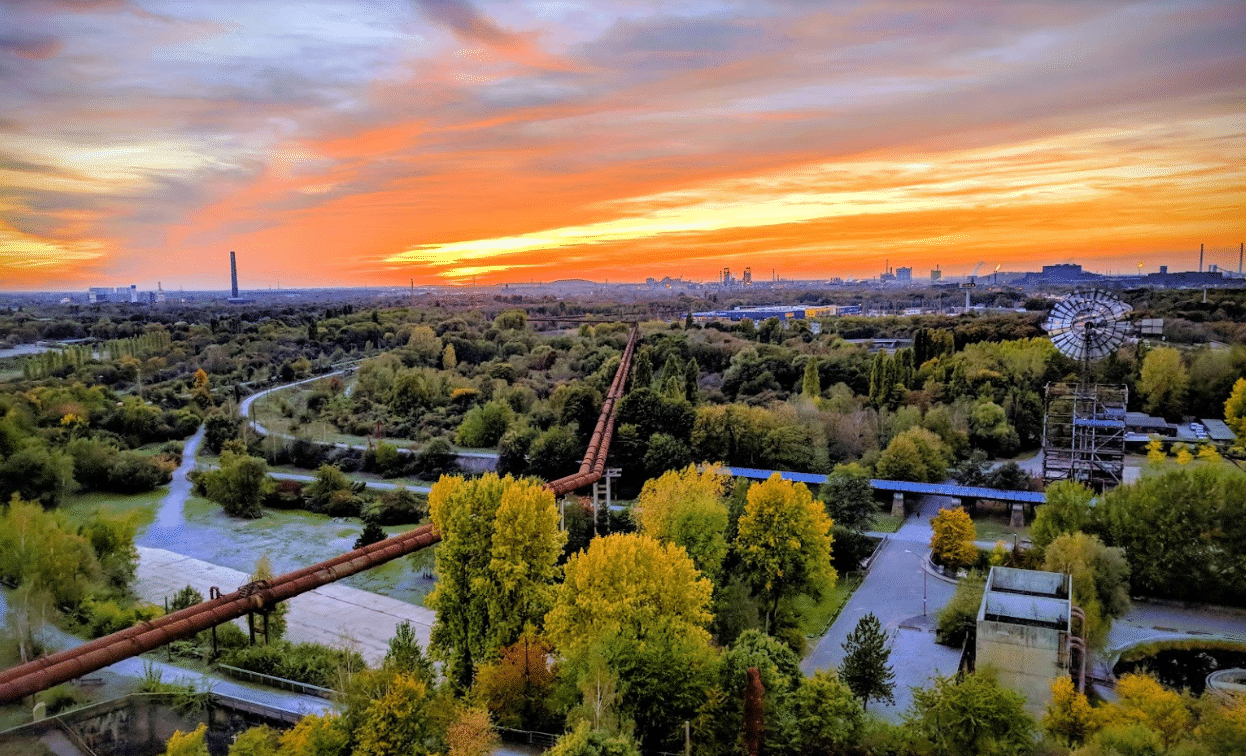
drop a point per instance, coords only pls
(1200, 258)
(1240, 249)
(233, 274)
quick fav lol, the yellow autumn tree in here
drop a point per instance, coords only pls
(1068, 717)
(953, 537)
(313, 736)
(1208, 453)
(784, 543)
(470, 733)
(187, 743)
(631, 586)
(398, 722)
(1144, 709)
(1155, 451)
(687, 507)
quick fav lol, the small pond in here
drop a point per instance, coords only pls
(1184, 668)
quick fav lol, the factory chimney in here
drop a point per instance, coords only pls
(233, 274)
(1200, 258)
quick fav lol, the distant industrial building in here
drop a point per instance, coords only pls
(1025, 631)
(758, 314)
(936, 274)
(904, 275)
(100, 294)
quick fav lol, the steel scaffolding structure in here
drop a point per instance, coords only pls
(1084, 434)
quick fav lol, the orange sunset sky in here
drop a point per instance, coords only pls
(365, 142)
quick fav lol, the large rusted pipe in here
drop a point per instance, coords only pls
(148, 636)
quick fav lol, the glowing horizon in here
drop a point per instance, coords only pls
(341, 143)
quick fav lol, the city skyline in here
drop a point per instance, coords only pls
(343, 143)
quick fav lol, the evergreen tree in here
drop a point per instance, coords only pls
(372, 533)
(811, 385)
(642, 370)
(865, 669)
(692, 372)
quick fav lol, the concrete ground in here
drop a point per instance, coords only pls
(893, 590)
(334, 614)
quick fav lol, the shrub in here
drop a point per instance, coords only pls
(958, 617)
(309, 663)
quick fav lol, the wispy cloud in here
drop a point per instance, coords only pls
(441, 139)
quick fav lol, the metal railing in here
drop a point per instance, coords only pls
(272, 681)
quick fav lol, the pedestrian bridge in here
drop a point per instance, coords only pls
(901, 486)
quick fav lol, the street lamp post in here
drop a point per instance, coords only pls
(907, 551)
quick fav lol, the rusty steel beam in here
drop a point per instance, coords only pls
(40, 674)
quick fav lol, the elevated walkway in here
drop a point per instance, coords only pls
(901, 486)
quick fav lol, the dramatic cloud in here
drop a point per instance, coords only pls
(443, 140)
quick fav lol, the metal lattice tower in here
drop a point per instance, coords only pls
(1084, 426)
(1084, 434)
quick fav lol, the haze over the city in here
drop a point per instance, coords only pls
(441, 141)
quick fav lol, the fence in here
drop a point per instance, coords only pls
(294, 686)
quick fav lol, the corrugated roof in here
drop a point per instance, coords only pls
(1219, 430)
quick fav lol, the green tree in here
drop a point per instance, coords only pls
(951, 541)
(810, 384)
(276, 619)
(971, 715)
(864, 669)
(784, 543)
(485, 425)
(665, 453)
(633, 611)
(238, 485)
(688, 508)
(917, 455)
(1100, 577)
(1183, 531)
(827, 716)
(449, 360)
(1067, 510)
(554, 453)
(642, 370)
(960, 615)
(849, 497)
(1164, 382)
(496, 563)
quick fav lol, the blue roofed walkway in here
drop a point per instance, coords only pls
(900, 486)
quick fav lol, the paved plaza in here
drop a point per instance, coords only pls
(333, 614)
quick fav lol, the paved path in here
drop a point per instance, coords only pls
(893, 590)
(333, 614)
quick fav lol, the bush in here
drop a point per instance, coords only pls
(397, 507)
(309, 663)
(102, 617)
(959, 616)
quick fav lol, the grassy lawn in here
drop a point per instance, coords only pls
(887, 523)
(993, 528)
(815, 618)
(143, 506)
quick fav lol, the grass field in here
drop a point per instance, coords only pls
(816, 617)
(143, 506)
(887, 523)
(996, 528)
